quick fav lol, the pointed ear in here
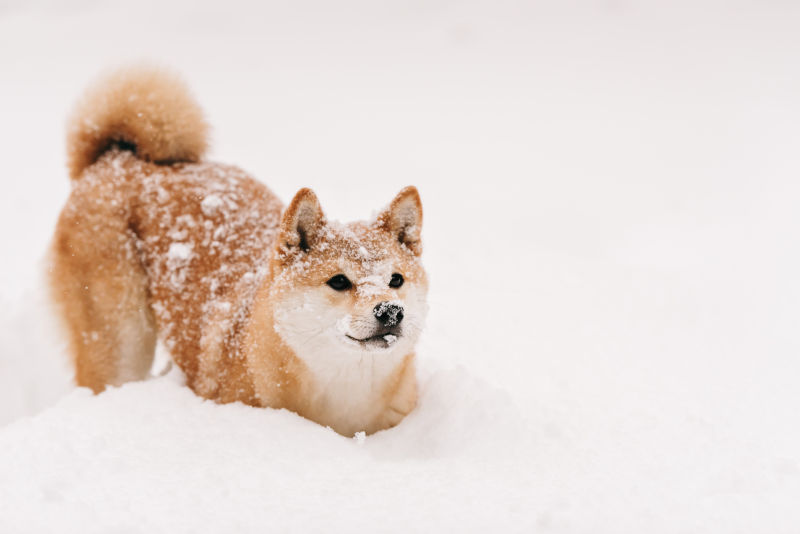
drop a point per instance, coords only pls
(302, 221)
(403, 219)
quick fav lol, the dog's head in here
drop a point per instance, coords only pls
(352, 289)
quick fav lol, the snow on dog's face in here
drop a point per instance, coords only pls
(346, 291)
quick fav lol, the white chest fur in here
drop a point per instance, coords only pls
(349, 389)
(349, 382)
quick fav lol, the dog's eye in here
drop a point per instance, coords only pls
(340, 282)
(396, 281)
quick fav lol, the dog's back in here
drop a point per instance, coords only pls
(144, 217)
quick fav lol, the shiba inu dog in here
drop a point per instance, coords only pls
(257, 303)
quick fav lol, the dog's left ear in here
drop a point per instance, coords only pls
(302, 221)
(403, 219)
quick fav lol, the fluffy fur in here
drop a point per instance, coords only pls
(154, 243)
(148, 110)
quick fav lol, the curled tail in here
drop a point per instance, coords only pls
(145, 109)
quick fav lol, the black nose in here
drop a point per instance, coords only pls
(388, 314)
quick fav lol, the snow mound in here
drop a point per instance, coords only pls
(154, 457)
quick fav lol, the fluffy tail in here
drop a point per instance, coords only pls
(142, 108)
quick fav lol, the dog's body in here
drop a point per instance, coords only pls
(255, 303)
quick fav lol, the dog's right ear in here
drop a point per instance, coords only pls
(302, 221)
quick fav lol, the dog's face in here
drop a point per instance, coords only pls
(349, 291)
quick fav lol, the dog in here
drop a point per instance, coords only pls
(257, 303)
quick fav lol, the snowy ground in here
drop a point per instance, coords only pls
(611, 194)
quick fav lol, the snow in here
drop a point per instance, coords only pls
(210, 204)
(360, 437)
(373, 284)
(179, 252)
(610, 195)
(270, 469)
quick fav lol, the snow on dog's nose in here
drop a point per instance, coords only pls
(388, 314)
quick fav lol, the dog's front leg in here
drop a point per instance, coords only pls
(400, 398)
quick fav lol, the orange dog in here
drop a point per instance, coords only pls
(270, 307)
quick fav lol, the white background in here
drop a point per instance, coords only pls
(611, 230)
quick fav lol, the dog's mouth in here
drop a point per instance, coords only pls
(381, 340)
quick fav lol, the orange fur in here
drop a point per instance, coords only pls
(154, 243)
(149, 109)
